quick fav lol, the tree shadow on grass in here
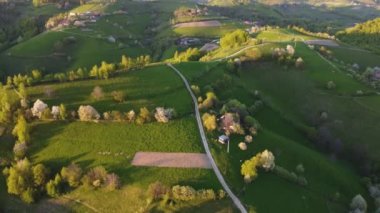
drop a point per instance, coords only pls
(41, 138)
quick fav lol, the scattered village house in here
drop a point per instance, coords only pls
(224, 139)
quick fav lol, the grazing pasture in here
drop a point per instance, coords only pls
(113, 144)
(281, 134)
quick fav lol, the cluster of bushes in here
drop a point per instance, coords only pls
(30, 182)
(234, 39)
(265, 160)
(287, 57)
(292, 176)
(208, 102)
(235, 106)
(25, 180)
(191, 54)
(170, 195)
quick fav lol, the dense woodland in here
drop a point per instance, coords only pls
(366, 34)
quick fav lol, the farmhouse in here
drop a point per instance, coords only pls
(223, 139)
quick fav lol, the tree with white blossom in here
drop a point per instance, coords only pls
(55, 111)
(38, 108)
(290, 49)
(267, 159)
(88, 113)
(164, 115)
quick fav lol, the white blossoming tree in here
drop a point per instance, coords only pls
(131, 116)
(243, 146)
(88, 113)
(164, 115)
(358, 204)
(290, 49)
(267, 160)
(38, 108)
(55, 111)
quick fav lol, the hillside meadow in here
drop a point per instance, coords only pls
(282, 135)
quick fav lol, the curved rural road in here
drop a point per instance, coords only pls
(219, 175)
(240, 51)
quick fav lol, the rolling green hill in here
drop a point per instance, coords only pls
(365, 34)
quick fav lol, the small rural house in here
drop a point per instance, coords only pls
(224, 139)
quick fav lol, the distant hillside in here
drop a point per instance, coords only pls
(366, 34)
(320, 2)
(276, 2)
(228, 2)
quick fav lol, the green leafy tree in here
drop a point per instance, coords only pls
(21, 130)
(62, 112)
(5, 106)
(72, 175)
(40, 174)
(234, 39)
(36, 75)
(209, 122)
(249, 169)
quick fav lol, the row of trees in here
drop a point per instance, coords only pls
(42, 111)
(191, 54)
(168, 195)
(103, 71)
(307, 32)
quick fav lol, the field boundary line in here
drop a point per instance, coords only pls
(217, 172)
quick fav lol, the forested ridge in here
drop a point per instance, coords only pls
(366, 34)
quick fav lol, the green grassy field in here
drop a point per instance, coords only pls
(351, 55)
(160, 88)
(290, 146)
(50, 53)
(56, 144)
(213, 32)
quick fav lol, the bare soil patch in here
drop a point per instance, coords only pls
(171, 159)
(212, 23)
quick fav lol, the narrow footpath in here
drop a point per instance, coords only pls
(218, 174)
